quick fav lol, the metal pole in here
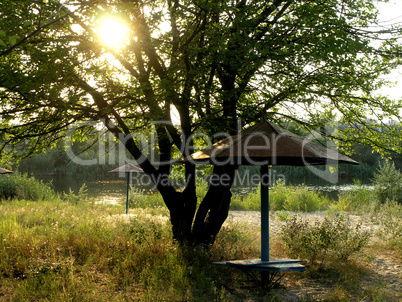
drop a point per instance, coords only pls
(128, 190)
(264, 213)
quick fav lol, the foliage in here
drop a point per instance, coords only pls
(6, 160)
(81, 196)
(140, 198)
(297, 198)
(97, 157)
(250, 201)
(283, 197)
(363, 201)
(359, 199)
(336, 238)
(20, 186)
(388, 183)
(389, 218)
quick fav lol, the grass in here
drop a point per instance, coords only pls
(282, 197)
(57, 250)
(85, 252)
(67, 248)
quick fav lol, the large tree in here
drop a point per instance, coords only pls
(215, 61)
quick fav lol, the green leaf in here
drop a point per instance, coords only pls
(27, 23)
(2, 43)
(2, 34)
(13, 39)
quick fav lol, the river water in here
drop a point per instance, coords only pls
(113, 188)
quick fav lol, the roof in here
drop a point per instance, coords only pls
(267, 143)
(127, 168)
(5, 171)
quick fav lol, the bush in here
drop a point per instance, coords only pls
(246, 202)
(389, 218)
(296, 198)
(388, 183)
(335, 237)
(142, 199)
(282, 197)
(358, 199)
(20, 186)
(81, 196)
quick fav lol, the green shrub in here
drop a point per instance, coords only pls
(358, 199)
(142, 231)
(282, 215)
(302, 199)
(20, 186)
(389, 218)
(246, 202)
(81, 196)
(296, 198)
(278, 196)
(388, 183)
(335, 237)
(142, 199)
(282, 197)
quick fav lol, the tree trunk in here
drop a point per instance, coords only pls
(211, 213)
(182, 215)
(214, 208)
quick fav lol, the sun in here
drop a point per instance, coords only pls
(113, 32)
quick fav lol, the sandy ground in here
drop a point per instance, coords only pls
(253, 218)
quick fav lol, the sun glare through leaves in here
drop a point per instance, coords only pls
(113, 32)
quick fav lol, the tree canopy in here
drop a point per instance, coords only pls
(312, 62)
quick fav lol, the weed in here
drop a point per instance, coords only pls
(84, 252)
(283, 215)
(282, 197)
(81, 196)
(142, 231)
(80, 251)
(226, 237)
(139, 198)
(246, 202)
(389, 218)
(376, 293)
(296, 198)
(357, 200)
(335, 238)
